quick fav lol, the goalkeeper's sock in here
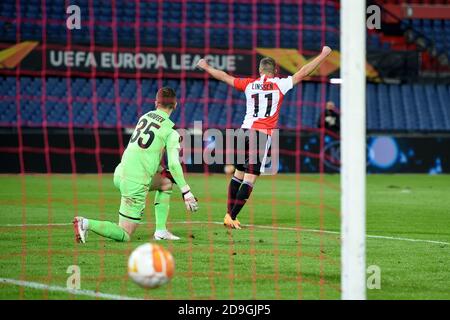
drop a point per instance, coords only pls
(108, 230)
(241, 198)
(162, 206)
(233, 189)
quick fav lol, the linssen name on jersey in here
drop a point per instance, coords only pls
(156, 117)
(262, 86)
(264, 97)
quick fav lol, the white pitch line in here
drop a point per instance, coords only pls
(35, 225)
(257, 227)
(407, 239)
(42, 286)
(333, 232)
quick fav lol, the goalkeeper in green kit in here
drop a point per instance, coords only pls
(140, 172)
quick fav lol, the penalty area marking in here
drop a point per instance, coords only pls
(79, 292)
(251, 226)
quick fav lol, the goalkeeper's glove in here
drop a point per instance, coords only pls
(189, 200)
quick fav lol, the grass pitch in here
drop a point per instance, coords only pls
(290, 250)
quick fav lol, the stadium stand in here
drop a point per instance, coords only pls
(391, 107)
(310, 16)
(436, 30)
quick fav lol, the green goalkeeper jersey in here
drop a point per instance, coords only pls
(154, 134)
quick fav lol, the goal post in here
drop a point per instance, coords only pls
(353, 149)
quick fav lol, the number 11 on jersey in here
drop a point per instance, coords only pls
(268, 96)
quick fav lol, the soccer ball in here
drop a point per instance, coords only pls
(150, 265)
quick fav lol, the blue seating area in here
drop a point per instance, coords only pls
(435, 30)
(403, 108)
(192, 24)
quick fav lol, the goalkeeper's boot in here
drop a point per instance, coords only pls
(164, 235)
(230, 223)
(80, 228)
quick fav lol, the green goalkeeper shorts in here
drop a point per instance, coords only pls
(133, 195)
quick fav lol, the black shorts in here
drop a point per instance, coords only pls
(165, 173)
(252, 148)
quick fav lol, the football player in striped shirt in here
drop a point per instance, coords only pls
(264, 97)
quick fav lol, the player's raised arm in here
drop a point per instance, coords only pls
(308, 68)
(173, 153)
(217, 74)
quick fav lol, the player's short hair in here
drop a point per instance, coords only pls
(166, 97)
(330, 104)
(267, 65)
